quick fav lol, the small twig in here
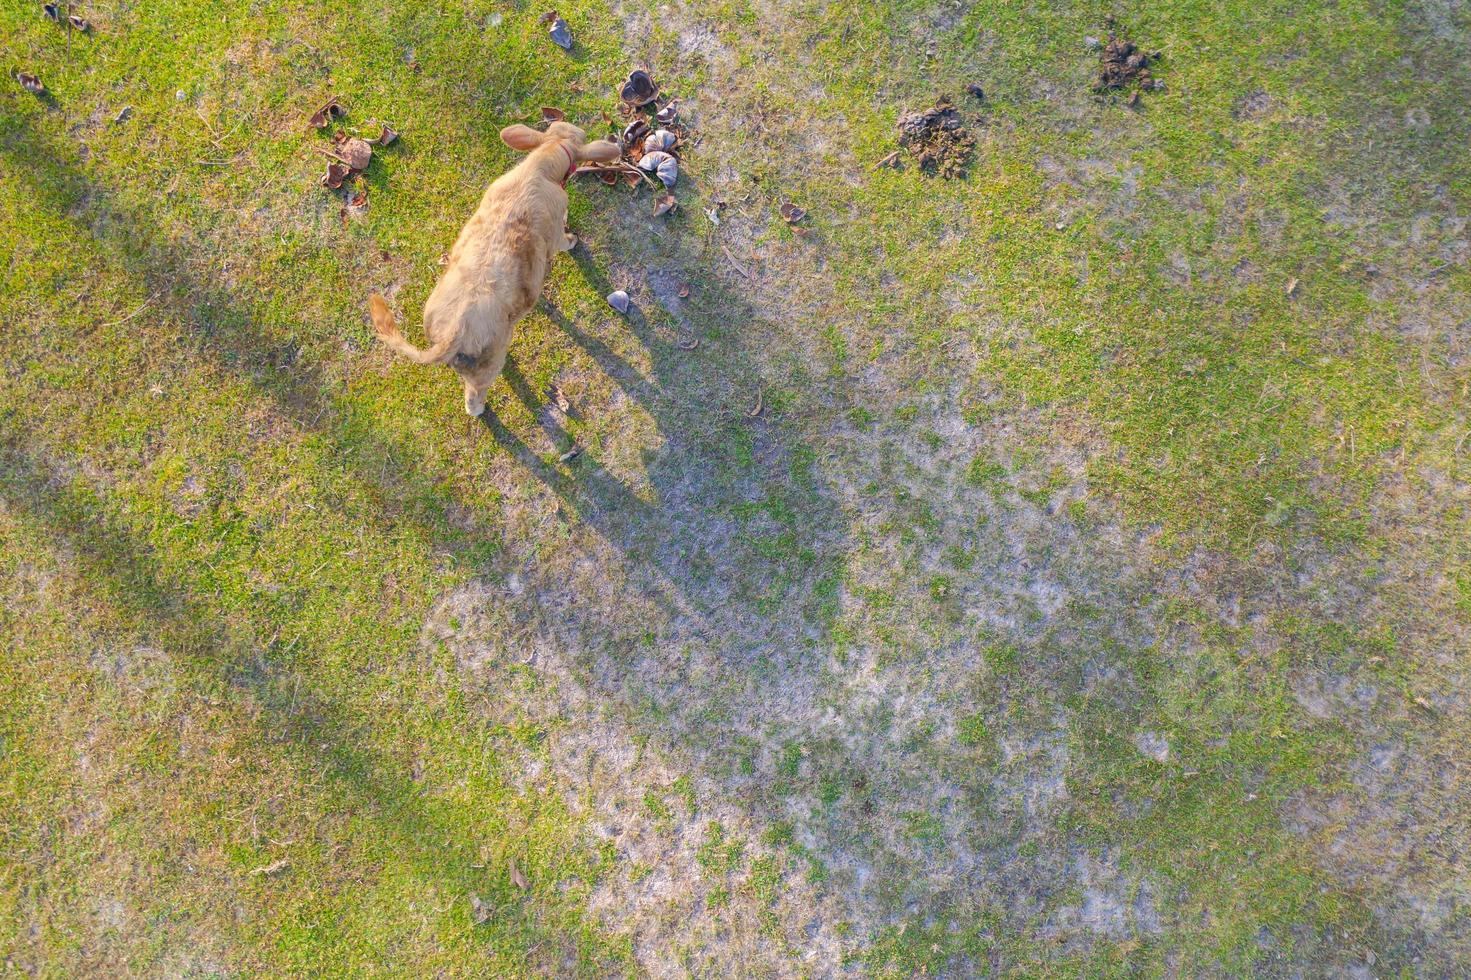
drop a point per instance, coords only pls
(738, 267)
(130, 316)
(619, 167)
(213, 163)
(331, 153)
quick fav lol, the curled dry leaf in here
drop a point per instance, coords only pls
(684, 290)
(360, 199)
(663, 164)
(632, 180)
(517, 878)
(560, 33)
(892, 160)
(667, 115)
(330, 112)
(123, 114)
(551, 113)
(567, 457)
(609, 177)
(664, 205)
(30, 82)
(633, 132)
(52, 11)
(559, 398)
(976, 91)
(618, 299)
(639, 89)
(790, 213)
(660, 139)
(388, 135)
(79, 23)
(335, 175)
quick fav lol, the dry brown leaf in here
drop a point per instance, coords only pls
(517, 878)
(790, 213)
(639, 89)
(30, 82)
(356, 153)
(330, 112)
(664, 205)
(336, 173)
(550, 113)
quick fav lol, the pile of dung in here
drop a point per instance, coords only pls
(1123, 64)
(937, 139)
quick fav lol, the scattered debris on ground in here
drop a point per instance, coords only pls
(651, 139)
(349, 155)
(1123, 64)
(793, 216)
(560, 33)
(30, 83)
(938, 139)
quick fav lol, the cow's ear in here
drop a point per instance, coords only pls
(519, 137)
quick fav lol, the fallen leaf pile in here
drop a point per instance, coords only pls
(348, 156)
(652, 140)
(937, 139)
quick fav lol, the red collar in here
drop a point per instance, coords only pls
(571, 165)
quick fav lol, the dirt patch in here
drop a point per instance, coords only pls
(938, 139)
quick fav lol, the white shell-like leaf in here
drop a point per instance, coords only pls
(663, 164)
(618, 299)
(660, 139)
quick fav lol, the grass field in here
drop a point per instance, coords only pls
(1090, 595)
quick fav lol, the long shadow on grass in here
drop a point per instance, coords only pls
(726, 552)
(726, 522)
(319, 734)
